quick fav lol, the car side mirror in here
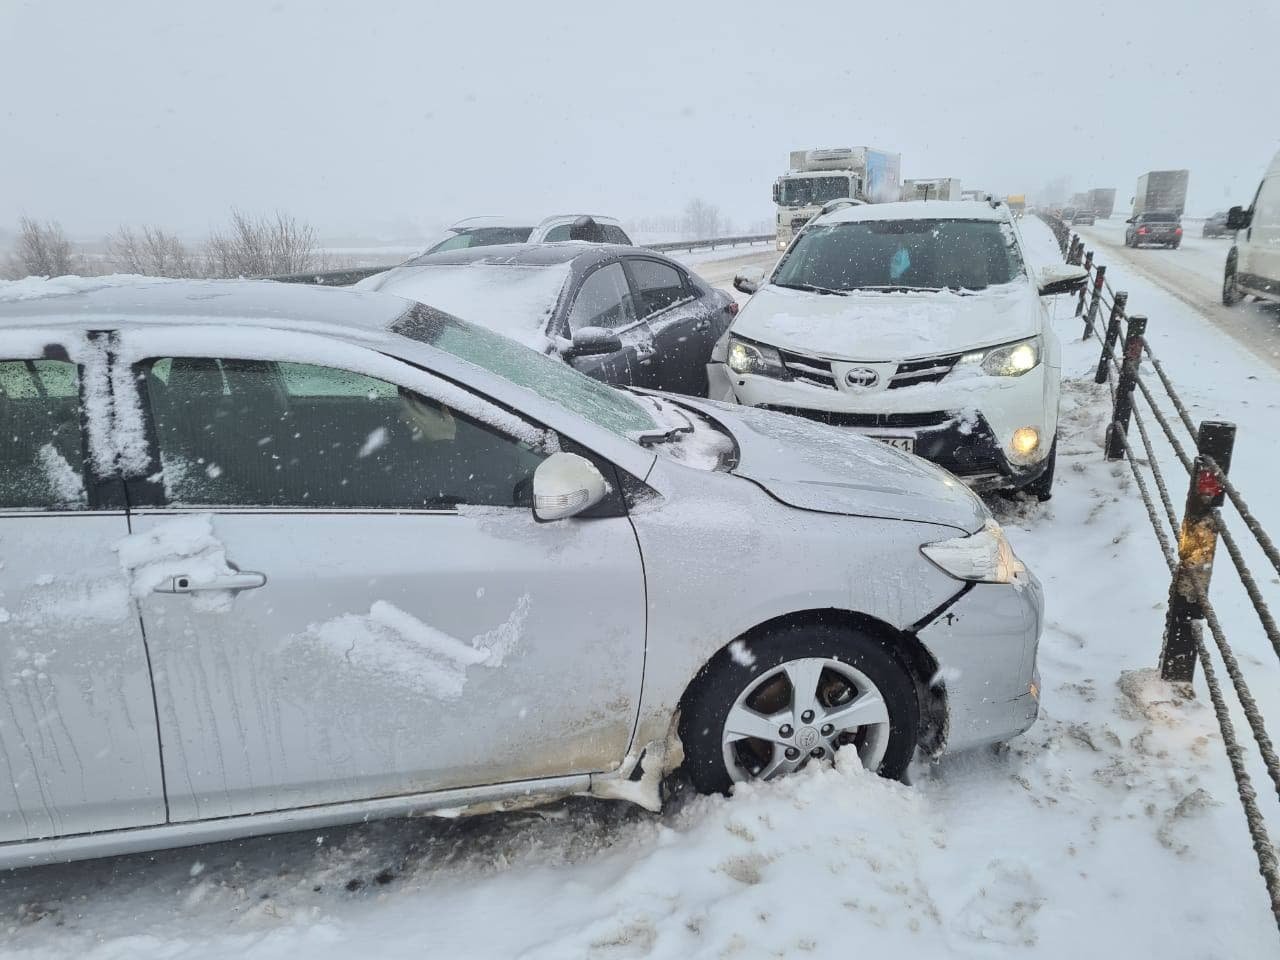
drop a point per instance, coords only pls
(748, 280)
(564, 485)
(592, 342)
(777, 192)
(1132, 220)
(1238, 218)
(1061, 278)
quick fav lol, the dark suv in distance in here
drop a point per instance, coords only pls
(1153, 229)
(1216, 226)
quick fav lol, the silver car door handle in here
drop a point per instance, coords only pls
(182, 583)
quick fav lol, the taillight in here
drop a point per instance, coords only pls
(1142, 229)
(1177, 229)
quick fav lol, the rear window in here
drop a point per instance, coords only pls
(1158, 218)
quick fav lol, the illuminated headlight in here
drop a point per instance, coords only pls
(984, 557)
(1011, 360)
(1024, 442)
(747, 357)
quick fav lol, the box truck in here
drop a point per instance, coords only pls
(1102, 201)
(817, 177)
(1163, 191)
(940, 188)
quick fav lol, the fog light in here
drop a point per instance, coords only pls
(1025, 440)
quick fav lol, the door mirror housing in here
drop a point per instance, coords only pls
(1132, 220)
(592, 342)
(1061, 278)
(748, 280)
(1238, 218)
(777, 192)
(564, 485)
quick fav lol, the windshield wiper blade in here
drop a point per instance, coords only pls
(813, 288)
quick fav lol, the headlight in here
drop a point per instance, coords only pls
(1011, 360)
(747, 357)
(984, 557)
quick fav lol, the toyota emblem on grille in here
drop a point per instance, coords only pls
(862, 377)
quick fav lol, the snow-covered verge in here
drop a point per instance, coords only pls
(1110, 829)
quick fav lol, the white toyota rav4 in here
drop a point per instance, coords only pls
(917, 323)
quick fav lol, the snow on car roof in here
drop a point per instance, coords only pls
(919, 210)
(151, 300)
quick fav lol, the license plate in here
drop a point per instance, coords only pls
(900, 443)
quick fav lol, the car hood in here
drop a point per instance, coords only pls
(889, 326)
(817, 467)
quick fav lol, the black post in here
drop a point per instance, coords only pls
(1197, 542)
(1118, 428)
(1073, 251)
(1099, 278)
(1113, 334)
(1088, 268)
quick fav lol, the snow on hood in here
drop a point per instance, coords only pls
(889, 326)
(817, 467)
(514, 300)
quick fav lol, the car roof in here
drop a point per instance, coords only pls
(523, 254)
(918, 210)
(133, 299)
(475, 223)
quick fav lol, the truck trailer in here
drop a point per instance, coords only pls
(1102, 201)
(1163, 191)
(817, 177)
(940, 188)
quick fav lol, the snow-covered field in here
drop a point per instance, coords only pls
(1110, 829)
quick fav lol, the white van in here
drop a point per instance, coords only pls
(1253, 263)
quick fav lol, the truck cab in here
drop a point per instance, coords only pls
(816, 177)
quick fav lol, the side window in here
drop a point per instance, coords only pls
(658, 285)
(41, 456)
(603, 300)
(257, 433)
(1266, 211)
(614, 234)
(557, 234)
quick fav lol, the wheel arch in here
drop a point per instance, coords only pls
(903, 645)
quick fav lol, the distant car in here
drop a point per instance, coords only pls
(1253, 262)
(1156, 228)
(916, 323)
(1216, 226)
(1068, 214)
(627, 316)
(283, 557)
(489, 231)
(1084, 216)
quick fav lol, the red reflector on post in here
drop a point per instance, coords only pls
(734, 308)
(1208, 485)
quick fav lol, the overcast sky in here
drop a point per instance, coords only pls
(364, 116)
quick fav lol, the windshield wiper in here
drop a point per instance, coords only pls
(813, 288)
(647, 438)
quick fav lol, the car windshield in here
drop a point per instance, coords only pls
(810, 191)
(481, 237)
(516, 300)
(902, 255)
(551, 379)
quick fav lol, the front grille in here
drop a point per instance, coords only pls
(797, 223)
(809, 369)
(929, 370)
(841, 418)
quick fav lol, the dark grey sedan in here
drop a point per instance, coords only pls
(1157, 228)
(624, 315)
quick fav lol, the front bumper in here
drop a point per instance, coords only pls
(973, 443)
(985, 644)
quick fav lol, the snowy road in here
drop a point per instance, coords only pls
(1109, 829)
(1193, 274)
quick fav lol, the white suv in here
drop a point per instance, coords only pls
(916, 323)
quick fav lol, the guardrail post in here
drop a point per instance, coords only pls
(1112, 335)
(1088, 268)
(1099, 279)
(1122, 412)
(1197, 543)
(1073, 250)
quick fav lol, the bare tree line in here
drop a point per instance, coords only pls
(249, 246)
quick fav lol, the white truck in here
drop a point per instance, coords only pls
(817, 177)
(940, 188)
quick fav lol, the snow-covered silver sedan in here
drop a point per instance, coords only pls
(279, 557)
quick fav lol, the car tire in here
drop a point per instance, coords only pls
(754, 679)
(1042, 486)
(1230, 283)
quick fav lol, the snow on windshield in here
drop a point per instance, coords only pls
(515, 300)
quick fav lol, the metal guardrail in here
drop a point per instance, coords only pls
(344, 278)
(1189, 541)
